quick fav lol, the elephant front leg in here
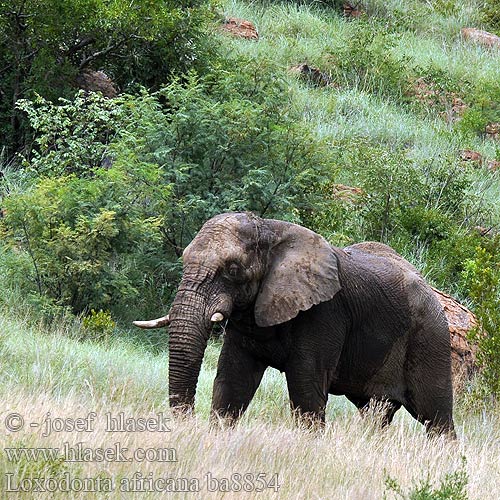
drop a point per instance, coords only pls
(308, 395)
(238, 377)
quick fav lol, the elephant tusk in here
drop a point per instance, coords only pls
(154, 323)
(217, 317)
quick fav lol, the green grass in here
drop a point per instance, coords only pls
(422, 39)
(291, 34)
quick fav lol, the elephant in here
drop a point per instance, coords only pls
(358, 321)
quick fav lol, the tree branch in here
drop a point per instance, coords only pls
(87, 60)
(85, 42)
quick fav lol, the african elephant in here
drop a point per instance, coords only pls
(358, 321)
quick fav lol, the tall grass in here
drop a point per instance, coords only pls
(295, 32)
(49, 372)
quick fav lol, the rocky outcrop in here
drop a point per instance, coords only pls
(481, 37)
(312, 75)
(472, 156)
(96, 81)
(463, 353)
(351, 10)
(493, 130)
(240, 28)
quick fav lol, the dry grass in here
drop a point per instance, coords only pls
(350, 459)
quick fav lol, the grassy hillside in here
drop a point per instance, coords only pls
(372, 63)
(389, 125)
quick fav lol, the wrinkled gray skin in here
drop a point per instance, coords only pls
(358, 321)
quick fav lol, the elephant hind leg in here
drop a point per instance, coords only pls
(429, 391)
(437, 420)
(430, 398)
(384, 408)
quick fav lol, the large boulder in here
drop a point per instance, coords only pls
(240, 28)
(96, 81)
(472, 156)
(312, 75)
(463, 353)
(481, 37)
(351, 9)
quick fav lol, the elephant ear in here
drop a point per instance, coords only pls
(302, 272)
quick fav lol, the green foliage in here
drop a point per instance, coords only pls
(45, 45)
(490, 14)
(422, 198)
(366, 59)
(484, 107)
(446, 258)
(72, 136)
(98, 325)
(482, 280)
(452, 487)
(82, 242)
(228, 144)
(90, 234)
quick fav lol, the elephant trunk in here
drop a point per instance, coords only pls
(191, 317)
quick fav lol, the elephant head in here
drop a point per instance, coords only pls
(240, 262)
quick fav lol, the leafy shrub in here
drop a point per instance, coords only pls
(446, 258)
(44, 45)
(452, 487)
(484, 107)
(490, 14)
(426, 224)
(80, 237)
(420, 197)
(366, 60)
(72, 136)
(482, 280)
(98, 325)
(94, 235)
(229, 144)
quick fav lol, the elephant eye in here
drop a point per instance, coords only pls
(233, 269)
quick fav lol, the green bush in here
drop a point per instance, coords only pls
(366, 59)
(484, 107)
(490, 14)
(94, 235)
(426, 224)
(98, 325)
(82, 242)
(44, 45)
(482, 280)
(402, 194)
(72, 136)
(232, 143)
(452, 487)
